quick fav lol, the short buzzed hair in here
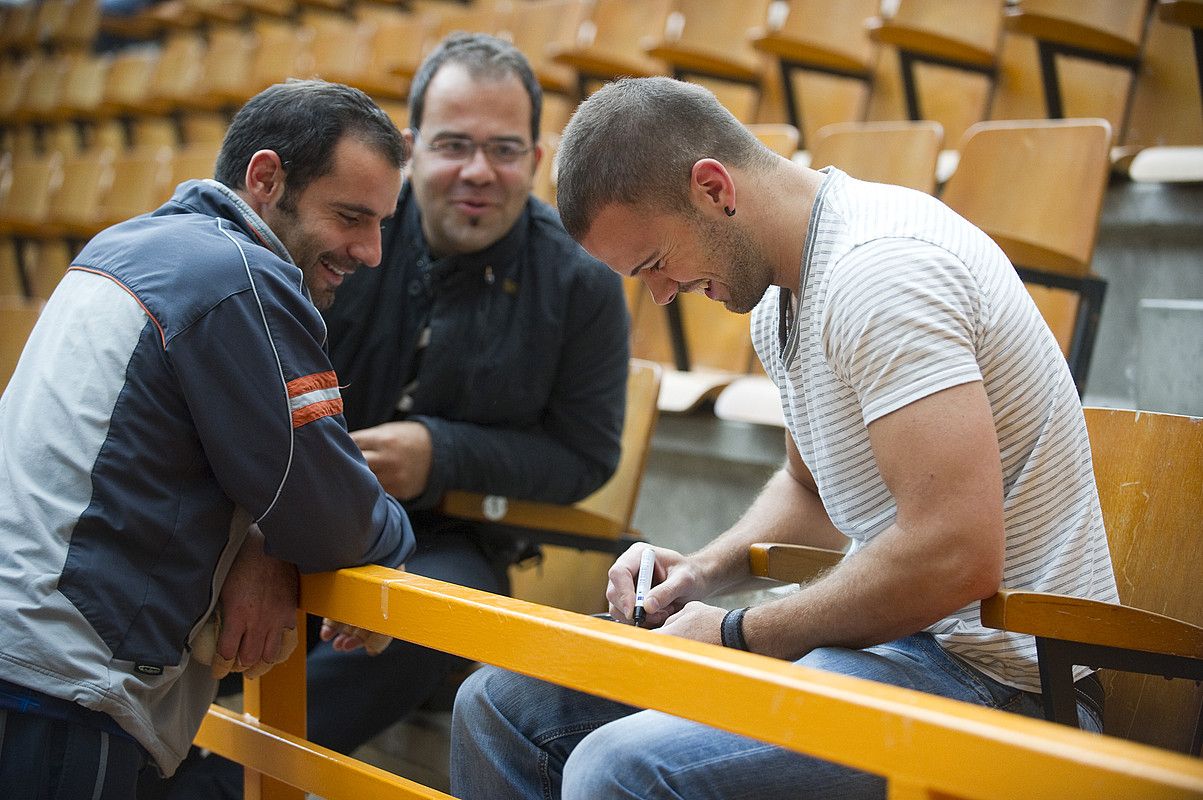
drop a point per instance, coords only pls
(635, 142)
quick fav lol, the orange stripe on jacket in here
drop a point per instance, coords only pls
(314, 396)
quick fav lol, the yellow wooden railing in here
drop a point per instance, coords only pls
(927, 747)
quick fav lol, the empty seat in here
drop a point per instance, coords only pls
(34, 182)
(18, 315)
(707, 42)
(944, 60)
(902, 153)
(1163, 139)
(1036, 187)
(825, 56)
(606, 43)
(140, 182)
(1105, 31)
(534, 25)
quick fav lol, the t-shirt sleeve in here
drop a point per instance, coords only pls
(900, 323)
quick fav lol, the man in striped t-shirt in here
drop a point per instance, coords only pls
(934, 431)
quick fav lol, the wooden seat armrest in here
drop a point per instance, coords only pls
(1075, 619)
(532, 515)
(791, 563)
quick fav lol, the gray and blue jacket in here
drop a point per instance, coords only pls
(175, 390)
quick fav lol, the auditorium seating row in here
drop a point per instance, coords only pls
(806, 62)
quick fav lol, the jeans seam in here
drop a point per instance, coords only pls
(566, 730)
(544, 758)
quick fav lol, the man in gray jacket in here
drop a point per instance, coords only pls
(174, 404)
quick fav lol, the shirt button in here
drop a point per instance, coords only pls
(415, 288)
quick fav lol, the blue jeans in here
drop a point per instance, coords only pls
(516, 737)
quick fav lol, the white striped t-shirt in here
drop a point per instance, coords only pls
(900, 299)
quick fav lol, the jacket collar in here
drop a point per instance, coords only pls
(214, 198)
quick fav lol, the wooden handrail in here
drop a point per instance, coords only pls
(907, 736)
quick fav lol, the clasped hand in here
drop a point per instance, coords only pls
(399, 454)
(254, 626)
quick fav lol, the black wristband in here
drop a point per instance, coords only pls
(732, 630)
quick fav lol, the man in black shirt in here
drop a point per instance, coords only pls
(487, 354)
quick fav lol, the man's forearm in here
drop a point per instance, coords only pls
(785, 511)
(895, 586)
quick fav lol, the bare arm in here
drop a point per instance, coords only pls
(788, 509)
(939, 458)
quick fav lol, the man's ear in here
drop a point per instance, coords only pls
(265, 177)
(711, 187)
(538, 153)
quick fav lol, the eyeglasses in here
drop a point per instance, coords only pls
(461, 148)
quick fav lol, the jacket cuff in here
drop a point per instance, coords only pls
(441, 467)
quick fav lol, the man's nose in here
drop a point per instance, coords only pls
(367, 248)
(663, 288)
(478, 168)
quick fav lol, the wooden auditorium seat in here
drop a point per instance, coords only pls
(825, 56)
(283, 49)
(357, 53)
(1149, 471)
(34, 181)
(430, 25)
(227, 61)
(74, 210)
(43, 90)
(1163, 139)
(140, 182)
(46, 262)
(15, 73)
(192, 161)
(17, 318)
(706, 42)
(938, 62)
(177, 74)
(129, 79)
(19, 28)
(1036, 187)
(1109, 32)
(12, 277)
(598, 526)
(606, 43)
(83, 87)
(782, 138)
(533, 26)
(903, 153)
(68, 24)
